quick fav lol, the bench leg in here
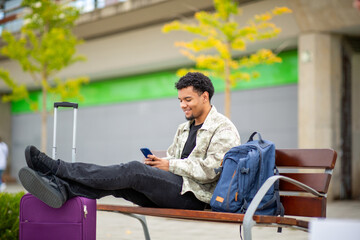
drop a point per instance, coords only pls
(247, 231)
(142, 220)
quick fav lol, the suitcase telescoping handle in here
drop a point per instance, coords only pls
(75, 107)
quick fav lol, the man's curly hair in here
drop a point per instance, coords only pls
(198, 81)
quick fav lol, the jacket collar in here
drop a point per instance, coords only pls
(208, 120)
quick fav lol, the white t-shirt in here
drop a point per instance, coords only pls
(3, 155)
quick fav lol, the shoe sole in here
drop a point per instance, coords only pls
(28, 157)
(38, 187)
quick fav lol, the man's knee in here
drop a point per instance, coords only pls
(135, 165)
(138, 168)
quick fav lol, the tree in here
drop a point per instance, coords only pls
(220, 37)
(44, 47)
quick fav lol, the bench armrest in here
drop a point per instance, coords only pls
(248, 218)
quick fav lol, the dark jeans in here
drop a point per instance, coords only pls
(134, 181)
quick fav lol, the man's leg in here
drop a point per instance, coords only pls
(75, 189)
(133, 181)
(55, 191)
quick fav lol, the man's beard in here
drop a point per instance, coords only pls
(190, 118)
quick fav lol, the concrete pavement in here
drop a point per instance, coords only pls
(117, 226)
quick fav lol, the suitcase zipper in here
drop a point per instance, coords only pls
(85, 211)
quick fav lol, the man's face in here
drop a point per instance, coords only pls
(192, 103)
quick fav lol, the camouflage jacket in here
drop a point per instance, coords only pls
(216, 136)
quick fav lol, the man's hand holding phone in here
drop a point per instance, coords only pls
(154, 161)
(146, 152)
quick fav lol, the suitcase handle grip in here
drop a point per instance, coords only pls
(65, 104)
(75, 107)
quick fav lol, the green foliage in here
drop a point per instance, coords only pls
(20, 91)
(46, 45)
(9, 215)
(69, 89)
(219, 37)
(218, 31)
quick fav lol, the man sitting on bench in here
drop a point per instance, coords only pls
(185, 179)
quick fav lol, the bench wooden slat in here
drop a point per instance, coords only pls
(318, 181)
(314, 158)
(202, 215)
(304, 206)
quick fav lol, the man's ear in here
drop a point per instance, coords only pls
(205, 96)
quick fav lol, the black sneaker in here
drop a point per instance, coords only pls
(44, 187)
(39, 161)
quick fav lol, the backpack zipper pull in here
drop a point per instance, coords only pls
(236, 196)
(85, 211)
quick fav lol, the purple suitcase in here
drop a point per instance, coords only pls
(75, 220)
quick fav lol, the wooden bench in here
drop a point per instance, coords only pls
(304, 180)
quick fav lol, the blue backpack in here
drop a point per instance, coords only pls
(244, 169)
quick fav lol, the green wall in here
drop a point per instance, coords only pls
(161, 85)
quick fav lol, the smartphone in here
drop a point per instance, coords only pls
(146, 152)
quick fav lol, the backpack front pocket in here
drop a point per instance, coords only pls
(225, 196)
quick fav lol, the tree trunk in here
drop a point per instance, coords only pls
(44, 82)
(227, 85)
(227, 92)
(44, 118)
